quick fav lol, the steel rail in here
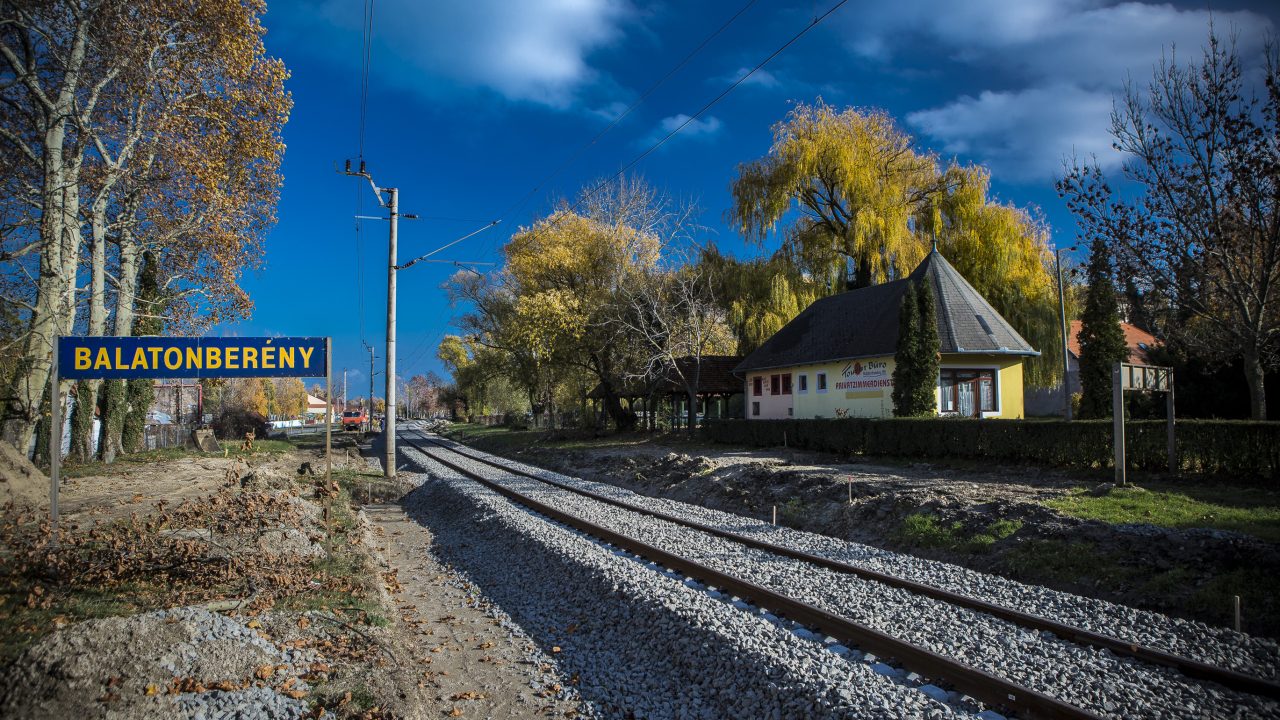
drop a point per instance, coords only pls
(1187, 666)
(979, 684)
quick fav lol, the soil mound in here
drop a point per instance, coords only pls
(182, 662)
(21, 482)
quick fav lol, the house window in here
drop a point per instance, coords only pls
(822, 382)
(757, 386)
(966, 392)
(786, 384)
(775, 384)
(803, 381)
(789, 411)
(755, 406)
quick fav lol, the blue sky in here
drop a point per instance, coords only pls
(472, 104)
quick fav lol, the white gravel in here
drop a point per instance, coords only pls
(1093, 679)
(641, 642)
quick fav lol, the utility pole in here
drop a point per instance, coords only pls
(370, 386)
(344, 389)
(1062, 316)
(393, 206)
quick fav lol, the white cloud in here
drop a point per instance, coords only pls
(1058, 64)
(1024, 135)
(700, 127)
(534, 50)
(708, 126)
(760, 78)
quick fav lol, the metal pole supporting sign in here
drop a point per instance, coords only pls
(1141, 378)
(55, 443)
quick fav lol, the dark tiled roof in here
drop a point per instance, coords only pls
(716, 378)
(864, 323)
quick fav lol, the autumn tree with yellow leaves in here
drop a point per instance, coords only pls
(165, 119)
(552, 310)
(846, 190)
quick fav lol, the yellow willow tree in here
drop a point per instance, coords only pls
(759, 295)
(846, 188)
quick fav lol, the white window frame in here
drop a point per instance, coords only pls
(821, 387)
(802, 384)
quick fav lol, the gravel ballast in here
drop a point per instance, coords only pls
(1096, 680)
(640, 642)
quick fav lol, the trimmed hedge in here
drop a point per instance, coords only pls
(1235, 447)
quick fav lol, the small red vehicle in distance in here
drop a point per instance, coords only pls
(353, 420)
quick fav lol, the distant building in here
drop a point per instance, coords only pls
(1046, 402)
(835, 359)
(316, 407)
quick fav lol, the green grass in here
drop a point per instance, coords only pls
(923, 530)
(1252, 511)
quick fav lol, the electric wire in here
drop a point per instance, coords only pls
(366, 54)
(516, 206)
(711, 103)
(568, 210)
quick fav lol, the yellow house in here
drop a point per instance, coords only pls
(835, 359)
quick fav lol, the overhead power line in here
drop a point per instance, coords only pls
(643, 96)
(675, 131)
(711, 103)
(366, 55)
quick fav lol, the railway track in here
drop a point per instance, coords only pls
(980, 684)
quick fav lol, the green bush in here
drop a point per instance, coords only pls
(1234, 447)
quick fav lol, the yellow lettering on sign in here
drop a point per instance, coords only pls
(214, 360)
(306, 356)
(155, 357)
(194, 358)
(119, 360)
(286, 358)
(83, 358)
(139, 360)
(232, 358)
(268, 358)
(250, 358)
(173, 358)
(103, 361)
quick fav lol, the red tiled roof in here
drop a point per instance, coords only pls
(1135, 337)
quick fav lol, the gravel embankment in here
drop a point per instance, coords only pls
(63, 675)
(641, 642)
(1096, 680)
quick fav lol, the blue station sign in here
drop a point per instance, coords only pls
(162, 357)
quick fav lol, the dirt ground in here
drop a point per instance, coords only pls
(380, 630)
(988, 518)
(472, 664)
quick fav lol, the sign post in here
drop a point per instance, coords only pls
(1141, 378)
(129, 358)
(55, 443)
(328, 412)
